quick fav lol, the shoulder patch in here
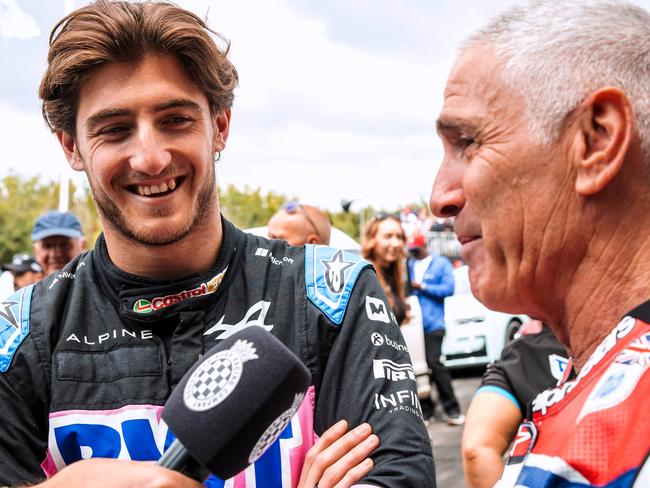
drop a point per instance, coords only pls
(330, 275)
(14, 324)
(614, 387)
(557, 364)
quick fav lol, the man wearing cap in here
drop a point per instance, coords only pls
(24, 269)
(57, 238)
(432, 279)
(300, 224)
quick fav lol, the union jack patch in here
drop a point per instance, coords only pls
(637, 352)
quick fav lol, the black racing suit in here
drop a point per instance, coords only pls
(528, 365)
(89, 355)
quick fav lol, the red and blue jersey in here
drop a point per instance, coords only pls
(592, 430)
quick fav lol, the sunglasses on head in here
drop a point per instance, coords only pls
(295, 206)
(383, 215)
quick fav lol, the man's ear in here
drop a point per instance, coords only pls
(70, 149)
(313, 239)
(603, 136)
(221, 128)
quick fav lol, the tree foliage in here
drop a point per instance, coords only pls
(23, 199)
(249, 207)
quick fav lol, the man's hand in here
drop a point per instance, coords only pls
(119, 473)
(339, 459)
(416, 285)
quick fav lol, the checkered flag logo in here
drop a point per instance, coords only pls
(217, 376)
(275, 429)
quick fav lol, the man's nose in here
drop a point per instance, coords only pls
(56, 251)
(447, 194)
(150, 155)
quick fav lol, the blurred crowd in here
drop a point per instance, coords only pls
(57, 237)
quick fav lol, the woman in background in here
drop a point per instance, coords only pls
(383, 245)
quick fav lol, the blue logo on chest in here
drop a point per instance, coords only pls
(14, 324)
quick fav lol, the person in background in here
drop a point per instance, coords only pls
(300, 224)
(383, 245)
(57, 238)
(545, 127)
(530, 364)
(431, 279)
(24, 269)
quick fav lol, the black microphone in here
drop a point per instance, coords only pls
(233, 404)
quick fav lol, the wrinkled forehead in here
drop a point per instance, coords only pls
(476, 91)
(476, 74)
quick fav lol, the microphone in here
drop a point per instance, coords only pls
(233, 404)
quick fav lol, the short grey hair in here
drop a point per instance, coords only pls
(556, 53)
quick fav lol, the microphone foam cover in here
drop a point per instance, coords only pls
(234, 403)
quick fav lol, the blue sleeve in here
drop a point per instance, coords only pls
(440, 283)
(499, 391)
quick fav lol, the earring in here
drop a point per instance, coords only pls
(217, 157)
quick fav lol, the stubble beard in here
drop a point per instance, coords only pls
(115, 218)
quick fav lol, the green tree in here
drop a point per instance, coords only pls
(348, 222)
(249, 207)
(24, 198)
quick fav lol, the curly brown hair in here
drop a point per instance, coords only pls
(118, 31)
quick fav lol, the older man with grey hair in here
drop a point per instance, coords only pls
(546, 132)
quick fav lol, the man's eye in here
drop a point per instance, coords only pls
(463, 142)
(177, 120)
(113, 130)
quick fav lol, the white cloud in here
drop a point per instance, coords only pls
(29, 147)
(16, 23)
(322, 120)
(336, 99)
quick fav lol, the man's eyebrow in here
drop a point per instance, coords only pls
(99, 117)
(446, 124)
(177, 102)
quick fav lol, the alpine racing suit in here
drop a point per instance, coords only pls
(592, 430)
(89, 355)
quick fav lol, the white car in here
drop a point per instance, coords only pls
(475, 334)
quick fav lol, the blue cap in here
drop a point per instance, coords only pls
(55, 223)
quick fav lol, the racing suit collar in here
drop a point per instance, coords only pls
(642, 312)
(145, 299)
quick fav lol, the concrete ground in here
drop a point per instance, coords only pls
(446, 438)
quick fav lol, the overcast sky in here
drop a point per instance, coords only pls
(337, 98)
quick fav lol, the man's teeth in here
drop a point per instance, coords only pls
(169, 185)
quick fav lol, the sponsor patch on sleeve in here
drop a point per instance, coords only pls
(558, 365)
(14, 324)
(330, 275)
